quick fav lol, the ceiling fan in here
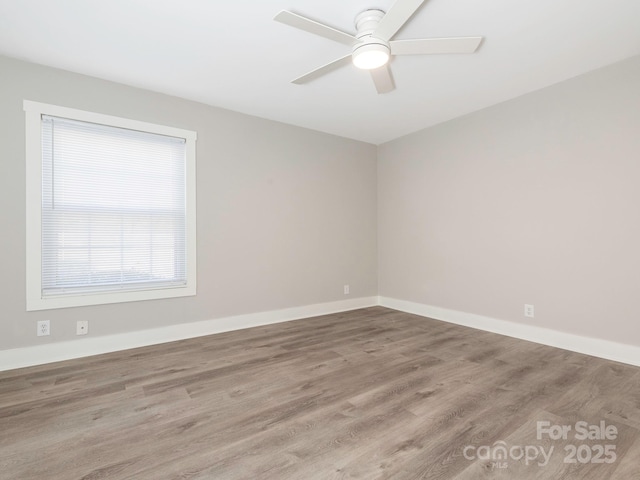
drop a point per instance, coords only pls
(372, 47)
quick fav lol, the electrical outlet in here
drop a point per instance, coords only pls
(346, 289)
(44, 328)
(82, 327)
(528, 310)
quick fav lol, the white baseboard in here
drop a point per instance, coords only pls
(87, 346)
(607, 349)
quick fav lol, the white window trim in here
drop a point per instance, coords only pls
(35, 300)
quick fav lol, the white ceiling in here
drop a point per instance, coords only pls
(231, 54)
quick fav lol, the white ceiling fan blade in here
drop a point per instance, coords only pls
(318, 72)
(396, 17)
(382, 79)
(429, 46)
(311, 26)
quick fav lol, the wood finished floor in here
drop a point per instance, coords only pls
(368, 394)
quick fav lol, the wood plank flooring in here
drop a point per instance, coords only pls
(368, 394)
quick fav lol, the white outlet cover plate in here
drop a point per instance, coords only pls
(44, 328)
(82, 327)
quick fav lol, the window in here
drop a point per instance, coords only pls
(110, 209)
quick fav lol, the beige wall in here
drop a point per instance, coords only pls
(286, 216)
(536, 200)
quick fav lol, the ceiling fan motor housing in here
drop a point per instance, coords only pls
(367, 22)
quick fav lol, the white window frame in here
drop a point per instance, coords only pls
(35, 300)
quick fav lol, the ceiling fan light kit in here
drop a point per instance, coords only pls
(372, 47)
(368, 56)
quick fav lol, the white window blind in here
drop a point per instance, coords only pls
(113, 209)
